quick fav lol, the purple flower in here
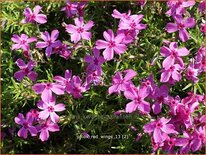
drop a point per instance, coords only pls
(70, 9)
(173, 54)
(26, 124)
(25, 70)
(111, 45)
(49, 42)
(63, 51)
(49, 108)
(199, 139)
(160, 95)
(192, 72)
(65, 82)
(75, 87)
(95, 61)
(46, 89)
(22, 42)
(92, 78)
(119, 83)
(178, 7)
(45, 127)
(133, 23)
(85, 135)
(181, 25)
(129, 36)
(201, 6)
(171, 74)
(31, 17)
(160, 128)
(79, 30)
(137, 95)
(116, 14)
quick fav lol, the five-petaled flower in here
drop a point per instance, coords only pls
(79, 30)
(31, 17)
(25, 70)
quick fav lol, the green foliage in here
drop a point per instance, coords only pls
(94, 112)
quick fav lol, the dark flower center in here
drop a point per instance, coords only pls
(132, 25)
(138, 99)
(80, 30)
(181, 25)
(51, 109)
(111, 44)
(48, 85)
(25, 125)
(96, 61)
(160, 99)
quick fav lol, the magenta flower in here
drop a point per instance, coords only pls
(49, 108)
(64, 81)
(160, 129)
(70, 8)
(184, 143)
(45, 127)
(137, 95)
(63, 51)
(133, 23)
(199, 139)
(160, 95)
(178, 7)
(171, 74)
(31, 17)
(79, 30)
(181, 25)
(49, 42)
(92, 78)
(173, 54)
(75, 87)
(46, 89)
(169, 145)
(129, 36)
(192, 72)
(119, 83)
(111, 45)
(25, 70)
(26, 126)
(201, 6)
(22, 42)
(116, 14)
(95, 61)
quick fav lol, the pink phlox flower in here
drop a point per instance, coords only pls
(173, 55)
(172, 74)
(63, 51)
(192, 72)
(199, 139)
(184, 143)
(22, 42)
(34, 16)
(70, 8)
(173, 103)
(201, 6)
(116, 14)
(120, 83)
(169, 145)
(133, 23)
(137, 95)
(94, 61)
(160, 96)
(46, 89)
(150, 85)
(26, 124)
(129, 36)
(92, 78)
(50, 42)
(25, 70)
(160, 128)
(181, 25)
(177, 7)
(49, 109)
(76, 88)
(79, 30)
(45, 127)
(111, 45)
(34, 114)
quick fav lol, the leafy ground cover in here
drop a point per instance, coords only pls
(141, 91)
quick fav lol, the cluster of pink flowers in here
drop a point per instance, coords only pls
(182, 127)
